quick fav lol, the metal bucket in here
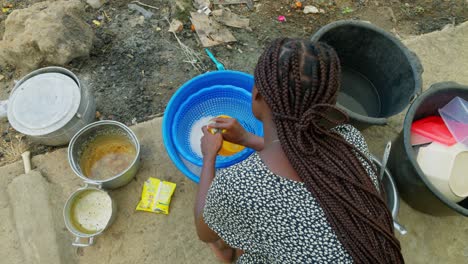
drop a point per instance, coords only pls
(50, 105)
(79, 141)
(73, 228)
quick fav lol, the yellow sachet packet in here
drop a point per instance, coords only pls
(156, 196)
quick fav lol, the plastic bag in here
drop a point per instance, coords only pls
(156, 196)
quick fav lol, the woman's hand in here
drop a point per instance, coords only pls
(235, 133)
(210, 143)
(232, 130)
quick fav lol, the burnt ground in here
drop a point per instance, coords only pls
(136, 65)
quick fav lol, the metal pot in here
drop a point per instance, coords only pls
(392, 197)
(79, 141)
(71, 226)
(50, 105)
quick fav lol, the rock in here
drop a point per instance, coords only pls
(51, 33)
(96, 3)
(312, 10)
(34, 219)
(176, 26)
(137, 21)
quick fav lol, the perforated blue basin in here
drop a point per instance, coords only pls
(185, 161)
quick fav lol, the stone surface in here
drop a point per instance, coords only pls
(141, 237)
(50, 33)
(310, 10)
(11, 246)
(29, 199)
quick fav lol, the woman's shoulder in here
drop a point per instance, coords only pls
(352, 135)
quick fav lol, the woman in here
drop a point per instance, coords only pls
(309, 193)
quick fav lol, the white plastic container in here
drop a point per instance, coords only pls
(446, 168)
(455, 116)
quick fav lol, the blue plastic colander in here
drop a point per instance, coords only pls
(211, 102)
(235, 78)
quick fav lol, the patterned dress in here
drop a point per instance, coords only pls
(272, 218)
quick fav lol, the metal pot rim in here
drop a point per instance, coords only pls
(68, 204)
(388, 175)
(96, 124)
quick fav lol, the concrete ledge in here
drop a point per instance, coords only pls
(29, 199)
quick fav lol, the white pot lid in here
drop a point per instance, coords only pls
(43, 103)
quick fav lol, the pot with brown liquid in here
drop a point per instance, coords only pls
(105, 152)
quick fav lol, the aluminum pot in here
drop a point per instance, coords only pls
(50, 105)
(72, 227)
(392, 197)
(79, 141)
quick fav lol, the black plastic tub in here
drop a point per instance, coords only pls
(380, 75)
(412, 183)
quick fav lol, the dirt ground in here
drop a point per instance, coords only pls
(136, 65)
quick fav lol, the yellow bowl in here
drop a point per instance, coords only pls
(228, 148)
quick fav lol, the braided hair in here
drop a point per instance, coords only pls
(299, 81)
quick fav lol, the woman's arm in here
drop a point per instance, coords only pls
(210, 146)
(253, 141)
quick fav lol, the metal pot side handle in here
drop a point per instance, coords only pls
(401, 229)
(77, 243)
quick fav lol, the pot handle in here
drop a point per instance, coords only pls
(92, 184)
(77, 243)
(401, 229)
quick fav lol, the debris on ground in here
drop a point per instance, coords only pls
(176, 26)
(204, 10)
(249, 3)
(200, 4)
(145, 5)
(210, 32)
(7, 8)
(2, 77)
(298, 5)
(137, 21)
(281, 18)
(203, 6)
(312, 10)
(191, 56)
(97, 23)
(96, 4)
(12, 147)
(228, 18)
(46, 33)
(347, 10)
(147, 14)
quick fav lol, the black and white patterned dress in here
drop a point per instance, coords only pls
(272, 218)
